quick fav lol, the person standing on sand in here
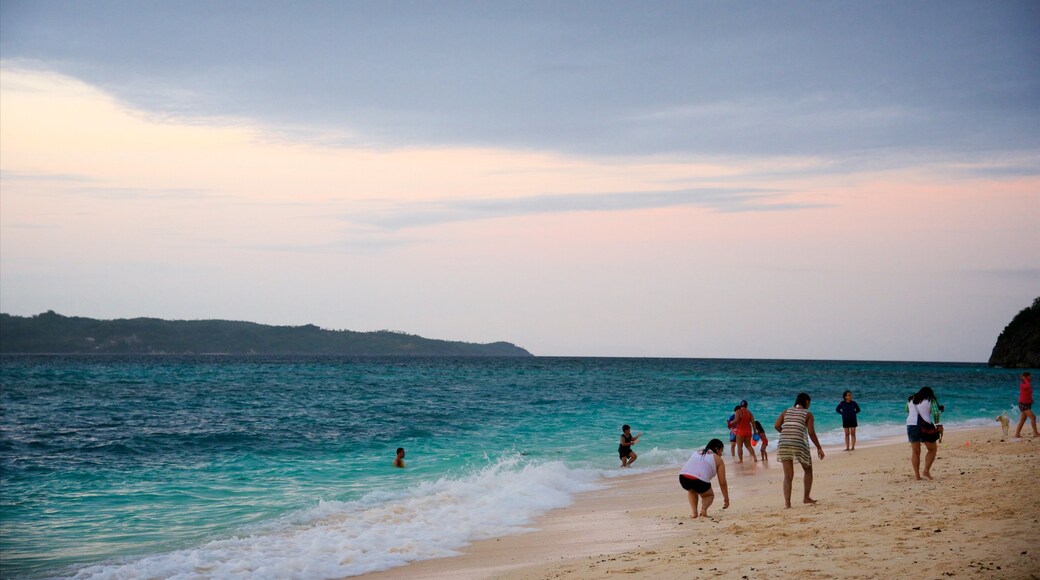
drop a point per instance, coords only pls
(695, 477)
(1025, 405)
(924, 405)
(628, 457)
(796, 427)
(399, 460)
(743, 420)
(848, 410)
(732, 432)
(761, 431)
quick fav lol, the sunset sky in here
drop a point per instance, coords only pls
(679, 179)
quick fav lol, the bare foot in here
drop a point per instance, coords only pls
(928, 475)
(808, 500)
(695, 514)
(704, 514)
(788, 506)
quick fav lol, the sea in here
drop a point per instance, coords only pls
(281, 467)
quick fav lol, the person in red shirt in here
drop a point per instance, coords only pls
(1025, 405)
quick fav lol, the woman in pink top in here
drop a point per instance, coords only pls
(1025, 405)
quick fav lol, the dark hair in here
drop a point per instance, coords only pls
(713, 445)
(923, 394)
(625, 427)
(737, 408)
(846, 393)
(400, 449)
(758, 427)
(802, 400)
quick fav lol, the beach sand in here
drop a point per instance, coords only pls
(979, 518)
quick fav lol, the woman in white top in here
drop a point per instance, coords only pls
(695, 477)
(920, 404)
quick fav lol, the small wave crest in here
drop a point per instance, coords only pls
(379, 531)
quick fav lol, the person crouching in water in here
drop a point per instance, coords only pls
(695, 477)
(628, 457)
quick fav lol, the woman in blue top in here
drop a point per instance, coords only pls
(848, 409)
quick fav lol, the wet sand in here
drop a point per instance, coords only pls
(979, 518)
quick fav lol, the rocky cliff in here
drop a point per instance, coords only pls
(1019, 345)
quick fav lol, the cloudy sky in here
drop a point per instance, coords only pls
(829, 180)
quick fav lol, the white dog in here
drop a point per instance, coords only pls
(1004, 421)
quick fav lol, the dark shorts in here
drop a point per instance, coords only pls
(694, 485)
(849, 423)
(913, 433)
(1025, 407)
(624, 452)
(732, 436)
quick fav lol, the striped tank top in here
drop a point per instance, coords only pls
(794, 439)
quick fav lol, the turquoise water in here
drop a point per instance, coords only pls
(281, 467)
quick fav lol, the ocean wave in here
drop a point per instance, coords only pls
(382, 530)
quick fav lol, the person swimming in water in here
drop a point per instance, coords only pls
(399, 460)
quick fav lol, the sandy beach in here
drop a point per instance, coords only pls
(979, 518)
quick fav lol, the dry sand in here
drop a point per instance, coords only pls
(979, 518)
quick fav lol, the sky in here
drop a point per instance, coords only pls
(809, 180)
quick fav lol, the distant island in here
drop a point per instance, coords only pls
(1018, 346)
(52, 333)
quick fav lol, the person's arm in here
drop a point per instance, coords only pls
(720, 470)
(856, 406)
(840, 405)
(812, 434)
(779, 425)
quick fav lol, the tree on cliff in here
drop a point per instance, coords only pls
(1019, 345)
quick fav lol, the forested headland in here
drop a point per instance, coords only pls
(52, 333)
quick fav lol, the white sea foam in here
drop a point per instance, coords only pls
(382, 530)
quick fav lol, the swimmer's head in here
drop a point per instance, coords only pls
(626, 428)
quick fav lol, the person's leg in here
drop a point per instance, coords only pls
(847, 439)
(733, 448)
(929, 457)
(693, 501)
(808, 484)
(751, 449)
(1032, 421)
(624, 461)
(632, 458)
(1021, 422)
(853, 439)
(706, 499)
(740, 449)
(915, 459)
(788, 478)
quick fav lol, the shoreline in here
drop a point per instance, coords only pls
(641, 525)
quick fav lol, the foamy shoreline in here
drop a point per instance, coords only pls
(872, 520)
